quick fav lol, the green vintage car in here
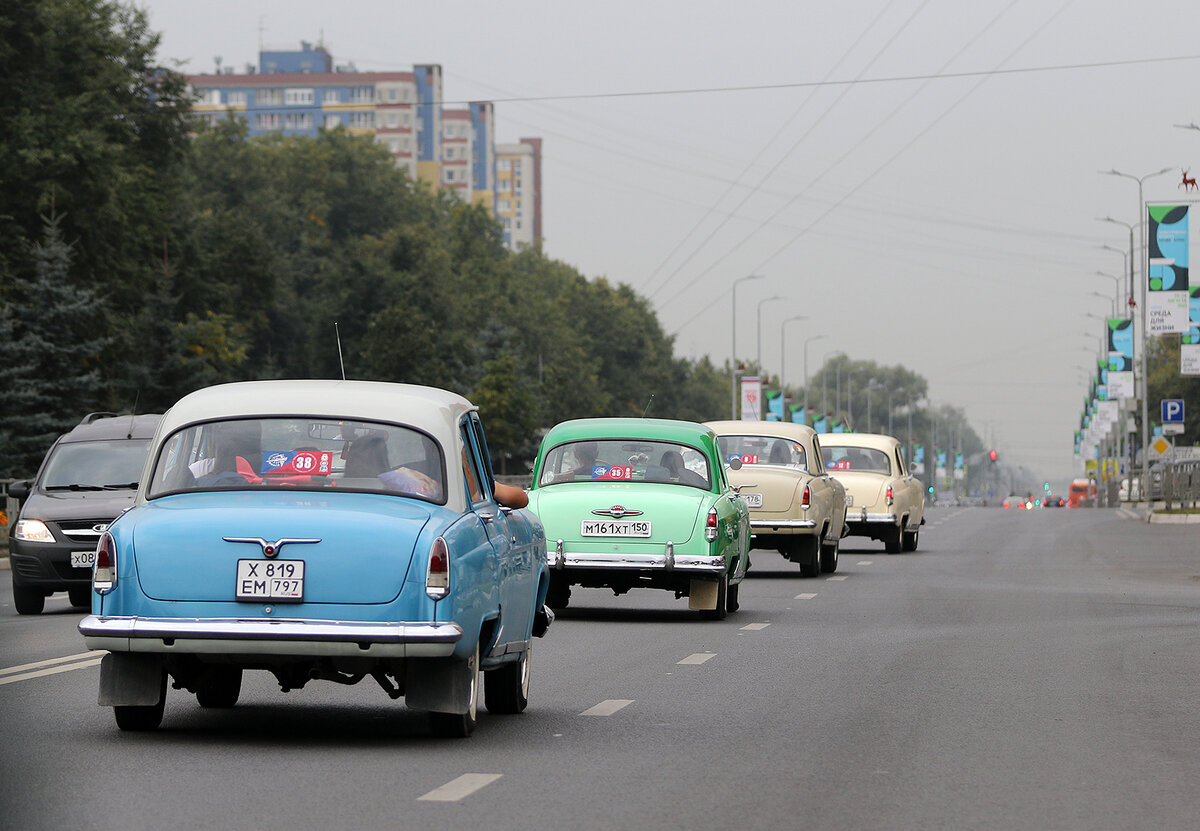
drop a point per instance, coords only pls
(640, 502)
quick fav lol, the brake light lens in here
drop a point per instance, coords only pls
(805, 499)
(104, 573)
(437, 574)
(890, 496)
(710, 525)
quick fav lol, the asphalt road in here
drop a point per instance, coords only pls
(1022, 670)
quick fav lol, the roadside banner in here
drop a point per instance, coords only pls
(821, 423)
(751, 398)
(1167, 289)
(918, 459)
(1120, 358)
(774, 405)
(1189, 342)
(798, 413)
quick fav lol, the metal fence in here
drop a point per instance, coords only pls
(1176, 483)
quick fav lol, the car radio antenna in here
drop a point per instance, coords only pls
(338, 335)
(133, 414)
(648, 403)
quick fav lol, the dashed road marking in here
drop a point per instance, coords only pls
(607, 708)
(460, 788)
(837, 577)
(18, 673)
(806, 596)
(754, 627)
(864, 562)
(698, 658)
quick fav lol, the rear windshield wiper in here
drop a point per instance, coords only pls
(74, 486)
(122, 486)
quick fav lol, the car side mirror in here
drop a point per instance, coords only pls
(735, 463)
(19, 490)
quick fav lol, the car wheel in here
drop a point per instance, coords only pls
(80, 597)
(722, 609)
(810, 555)
(219, 686)
(558, 595)
(506, 688)
(460, 725)
(829, 556)
(910, 540)
(138, 718)
(892, 543)
(27, 599)
(732, 601)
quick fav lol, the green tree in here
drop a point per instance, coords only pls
(508, 408)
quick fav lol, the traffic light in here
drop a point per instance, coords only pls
(992, 455)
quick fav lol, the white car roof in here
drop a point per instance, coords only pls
(874, 441)
(785, 429)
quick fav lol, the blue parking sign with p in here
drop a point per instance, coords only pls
(1172, 411)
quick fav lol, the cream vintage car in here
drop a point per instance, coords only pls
(796, 507)
(883, 500)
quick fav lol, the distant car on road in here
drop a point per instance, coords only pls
(319, 530)
(87, 478)
(884, 501)
(1051, 500)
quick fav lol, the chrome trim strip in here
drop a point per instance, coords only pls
(682, 562)
(783, 523)
(891, 519)
(269, 637)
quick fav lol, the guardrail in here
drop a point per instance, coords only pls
(1179, 483)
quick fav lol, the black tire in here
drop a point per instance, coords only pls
(732, 599)
(27, 599)
(219, 687)
(829, 556)
(722, 610)
(893, 542)
(810, 555)
(910, 540)
(460, 725)
(80, 597)
(140, 719)
(558, 595)
(506, 688)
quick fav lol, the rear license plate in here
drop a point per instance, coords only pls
(849, 500)
(279, 580)
(753, 500)
(83, 559)
(614, 528)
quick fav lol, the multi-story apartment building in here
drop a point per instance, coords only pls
(519, 191)
(302, 92)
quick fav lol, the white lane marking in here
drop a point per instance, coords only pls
(863, 562)
(698, 658)
(46, 663)
(607, 708)
(806, 596)
(11, 679)
(460, 788)
(836, 578)
(754, 627)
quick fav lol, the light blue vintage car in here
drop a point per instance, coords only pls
(332, 530)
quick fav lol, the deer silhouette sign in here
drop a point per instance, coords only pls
(1189, 182)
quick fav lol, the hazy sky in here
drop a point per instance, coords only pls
(947, 224)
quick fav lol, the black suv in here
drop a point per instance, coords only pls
(87, 479)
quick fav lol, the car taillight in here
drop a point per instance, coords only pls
(437, 575)
(804, 500)
(104, 573)
(889, 496)
(710, 525)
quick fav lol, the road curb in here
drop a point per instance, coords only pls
(1174, 519)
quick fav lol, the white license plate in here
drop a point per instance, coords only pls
(278, 580)
(849, 499)
(753, 500)
(614, 528)
(83, 559)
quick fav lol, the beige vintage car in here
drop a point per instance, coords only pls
(883, 500)
(796, 507)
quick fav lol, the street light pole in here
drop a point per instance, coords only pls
(733, 372)
(758, 333)
(807, 341)
(1143, 281)
(782, 350)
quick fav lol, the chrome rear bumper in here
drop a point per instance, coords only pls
(310, 638)
(669, 561)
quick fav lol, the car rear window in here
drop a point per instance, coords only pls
(626, 460)
(856, 458)
(95, 465)
(763, 450)
(297, 452)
